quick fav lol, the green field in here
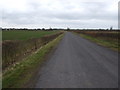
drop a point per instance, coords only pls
(23, 52)
(24, 35)
(21, 73)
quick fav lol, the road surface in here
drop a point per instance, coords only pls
(79, 63)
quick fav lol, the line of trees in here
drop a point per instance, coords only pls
(51, 29)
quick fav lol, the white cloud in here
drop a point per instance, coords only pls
(59, 13)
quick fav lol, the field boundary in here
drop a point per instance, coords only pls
(14, 51)
(17, 76)
(100, 42)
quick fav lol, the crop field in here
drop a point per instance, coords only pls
(27, 49)
(24, 35)
(21, 73)
(18, 44)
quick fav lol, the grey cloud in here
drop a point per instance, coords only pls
(67, 15)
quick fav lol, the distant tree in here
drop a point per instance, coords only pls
(68, 29)
(38, 29)
(50, 29)
(43, 29)
(111, 28)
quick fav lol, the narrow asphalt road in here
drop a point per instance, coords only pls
(79, 63)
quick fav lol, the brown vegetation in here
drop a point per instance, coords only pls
(106, 35)
(107, 38)
(14, 50)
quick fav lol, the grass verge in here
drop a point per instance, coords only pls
(107, 43)
(20, 74)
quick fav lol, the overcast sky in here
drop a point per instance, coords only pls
(59, 13)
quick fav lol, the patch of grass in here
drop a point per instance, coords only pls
(17, 76)
(107, 43)
(24, 35)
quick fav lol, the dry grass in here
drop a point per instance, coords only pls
(15, 50)
(108, 39)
